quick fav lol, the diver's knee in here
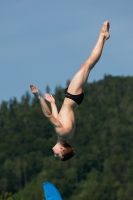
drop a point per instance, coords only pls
(87, 65)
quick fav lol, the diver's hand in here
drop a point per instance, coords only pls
(49, 98)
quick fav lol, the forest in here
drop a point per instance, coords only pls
(102, 168)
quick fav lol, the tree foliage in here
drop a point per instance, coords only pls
(103, 165)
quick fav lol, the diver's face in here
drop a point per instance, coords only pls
(57, 149)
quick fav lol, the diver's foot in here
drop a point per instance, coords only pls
(104, 32)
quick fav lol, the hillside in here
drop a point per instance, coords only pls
(103, 141)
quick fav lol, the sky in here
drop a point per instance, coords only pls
(45, 42)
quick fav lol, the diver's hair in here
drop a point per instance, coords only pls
(68, 152)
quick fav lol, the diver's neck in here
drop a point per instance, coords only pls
(61, 142)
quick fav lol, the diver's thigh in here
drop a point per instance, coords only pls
(77, 83)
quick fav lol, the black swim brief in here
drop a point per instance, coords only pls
(78, 98)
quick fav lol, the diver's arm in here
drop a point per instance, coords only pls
(55, 122)
(44, 106)
(45, 109)
(51, 99)
(54, 109)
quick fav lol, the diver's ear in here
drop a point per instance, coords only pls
(61, 147)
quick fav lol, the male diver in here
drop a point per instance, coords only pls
(64, 120)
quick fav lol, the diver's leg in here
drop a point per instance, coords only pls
(80, 78)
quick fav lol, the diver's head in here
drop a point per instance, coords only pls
(63, 150)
